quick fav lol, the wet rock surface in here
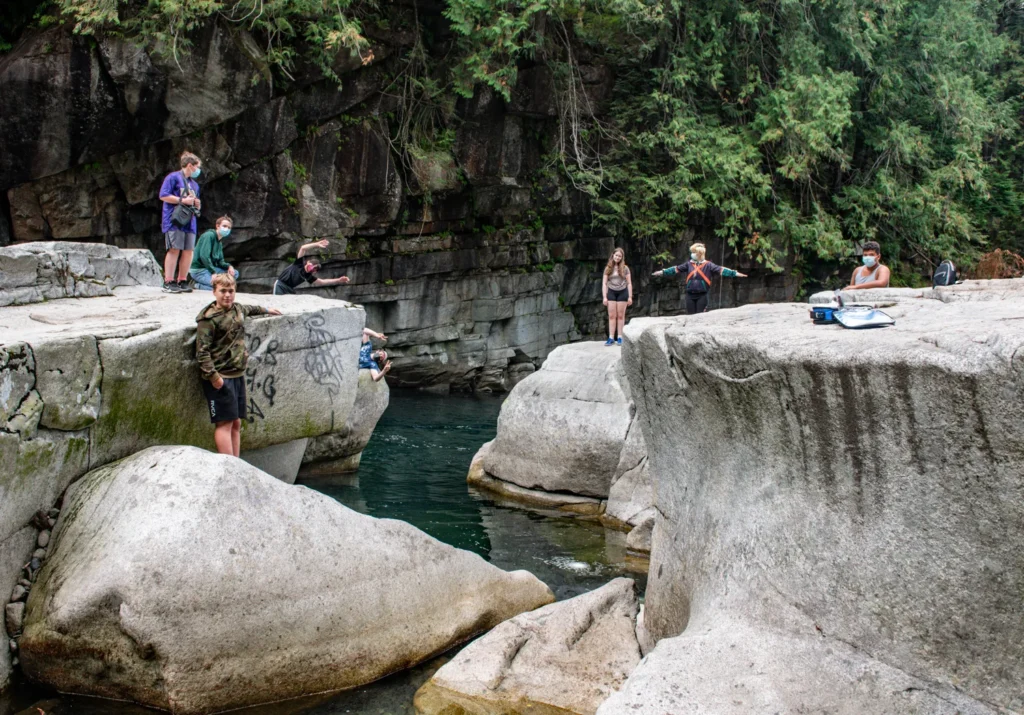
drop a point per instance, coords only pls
(843, 497)
(119, 609)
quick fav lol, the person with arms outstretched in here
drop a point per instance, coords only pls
(304, 271)
(698, 272)
(222, 358)
(370, 359)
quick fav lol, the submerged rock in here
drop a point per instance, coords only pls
(567, 657)
(853, 498)
(193, 582)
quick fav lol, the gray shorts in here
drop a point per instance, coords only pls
(179, 241)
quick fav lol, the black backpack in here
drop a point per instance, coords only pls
(945, 274)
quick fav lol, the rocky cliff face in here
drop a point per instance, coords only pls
(475, 258)
(841, 517)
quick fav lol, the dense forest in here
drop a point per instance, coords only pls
(803, 126)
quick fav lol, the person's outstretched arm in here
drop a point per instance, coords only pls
(378, 375)
(670, 271)
(367, 334)
(258, 310)
(303, 250)
(320, 282)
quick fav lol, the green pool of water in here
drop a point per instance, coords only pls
(414, 468)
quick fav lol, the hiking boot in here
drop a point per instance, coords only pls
(171, 287)
(184, 287)
(609, 341)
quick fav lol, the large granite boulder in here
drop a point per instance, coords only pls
(193, 582)
(568, 440)
(567, 657)
(341, 451)
(34, 272)
(562, 428)
(84, 382)
(854, 497)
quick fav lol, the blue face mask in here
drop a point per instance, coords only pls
(869, 260)
(196, 172)
(223, 232)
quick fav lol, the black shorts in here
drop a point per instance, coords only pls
(227, 403)
(618, 296)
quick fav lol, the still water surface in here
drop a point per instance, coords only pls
(414, 468)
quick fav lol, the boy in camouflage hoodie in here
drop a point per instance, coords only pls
(221, 354)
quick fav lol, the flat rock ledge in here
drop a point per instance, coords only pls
(566, 441)
(564, 658)
(840, 512)
(34, 272)
(195, 583)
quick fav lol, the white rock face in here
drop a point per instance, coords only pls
(84, 382)
(840, 489)
(341, 451)
(563, 427)
(193, 582)
(34, 272)
(567, 657)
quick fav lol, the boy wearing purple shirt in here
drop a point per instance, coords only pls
(180, 240)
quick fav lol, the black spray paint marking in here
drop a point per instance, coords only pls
(322, 360)
(260, 379)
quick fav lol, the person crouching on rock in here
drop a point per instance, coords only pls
(617, 290)
(872, 274)
(698, 278)
(304, 270)
(208, 259)
(370, 359)
(221, 354)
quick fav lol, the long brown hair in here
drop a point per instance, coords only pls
(611, 264)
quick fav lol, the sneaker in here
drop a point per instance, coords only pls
(619, 341)
(609, 341)
(171, 288)
(184, 287)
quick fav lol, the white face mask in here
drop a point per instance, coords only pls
(693, 256)
(869, 261)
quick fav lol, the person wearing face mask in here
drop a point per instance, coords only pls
(872, 274)
(208, 259)
(304, 272)
(698, 278)
(180, 188)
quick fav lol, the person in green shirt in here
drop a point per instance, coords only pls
(208, 259)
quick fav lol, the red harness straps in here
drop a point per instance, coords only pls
(698, 272)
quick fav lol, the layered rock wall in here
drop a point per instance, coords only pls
(476, 258)
(842, 511)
